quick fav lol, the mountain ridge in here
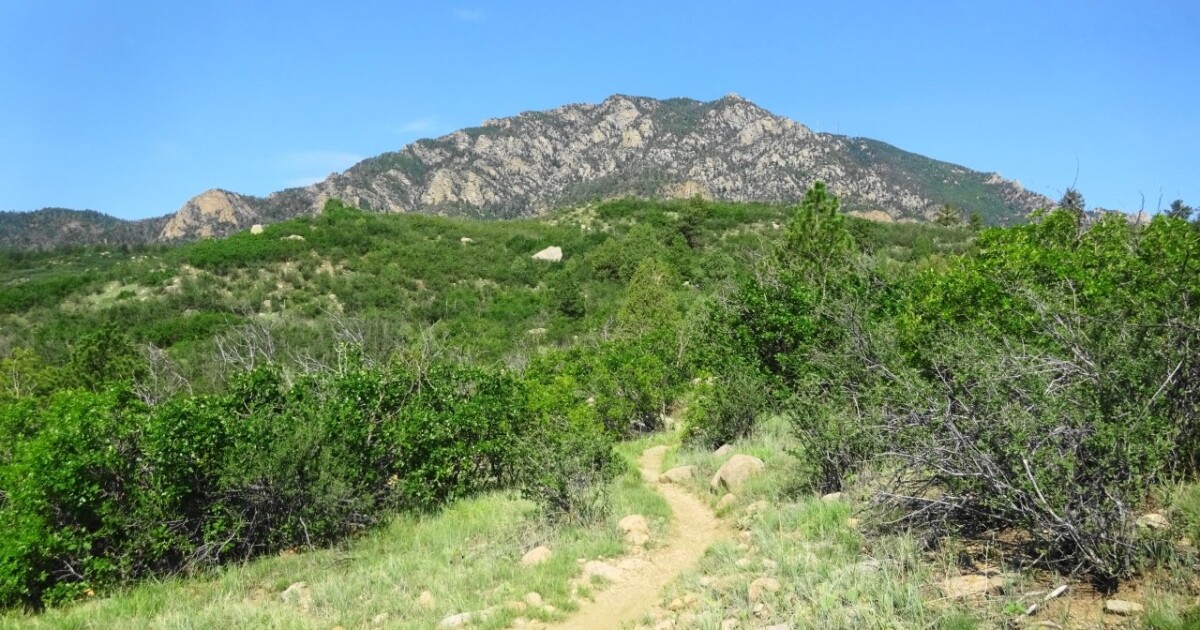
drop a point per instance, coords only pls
(729, 149)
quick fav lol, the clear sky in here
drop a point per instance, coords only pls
(131, 107)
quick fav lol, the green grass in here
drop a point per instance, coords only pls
(467, 556)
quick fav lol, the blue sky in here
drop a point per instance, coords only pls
(132, 107)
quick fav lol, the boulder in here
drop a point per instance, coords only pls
(257, 228)
(533, 599)
(677, 474)
(736, 471)
(550, 254)
(536, 556)
(725, 449)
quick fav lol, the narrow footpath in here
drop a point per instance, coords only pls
(637, 591)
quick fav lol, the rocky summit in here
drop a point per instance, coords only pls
(729, 149)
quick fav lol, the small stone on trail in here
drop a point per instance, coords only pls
(736, 471)
(677, 474)
(762, 586)
(1122, 607)
(536, 556)
(637, 530)
(596, 568)
(726, 501)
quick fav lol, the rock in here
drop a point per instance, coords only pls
(676, 604)
(1122, 607)
(726, 501)
(769, 563)
(1153, 520)
(380, 618)
(455, 621)
(736, 471)
(466, 240)
(964, 586)
(755, 508)
(257, 228)
(595, 568)
(729, 624)
(535, 331)
(425, 600)
(536, 556)
(762, 586)
(637, 530)
(778, 626)
(725, 449)
(852, 523)
(534, 599)
(743, 563)
(293, 237)
(665, 624)
(677, 474)
(550, 254)
(831, 497)
(297, 595)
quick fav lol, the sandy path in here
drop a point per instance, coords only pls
(637, 590)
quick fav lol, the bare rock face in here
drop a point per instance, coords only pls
(211, 213)
(729, 149)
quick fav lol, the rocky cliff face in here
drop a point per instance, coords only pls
(212, 212)
(729, 149)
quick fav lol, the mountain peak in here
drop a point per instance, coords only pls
(728, 149)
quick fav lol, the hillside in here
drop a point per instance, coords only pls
(359, 418)
(526, 165)
(59, 227)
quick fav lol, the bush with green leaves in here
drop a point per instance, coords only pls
(97, 488)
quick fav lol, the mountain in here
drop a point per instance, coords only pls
(60, 227)
(729, 149)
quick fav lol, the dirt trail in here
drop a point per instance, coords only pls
(637, 590)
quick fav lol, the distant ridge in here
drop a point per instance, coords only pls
(728, 149)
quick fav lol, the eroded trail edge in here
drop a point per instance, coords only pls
(636, 592)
